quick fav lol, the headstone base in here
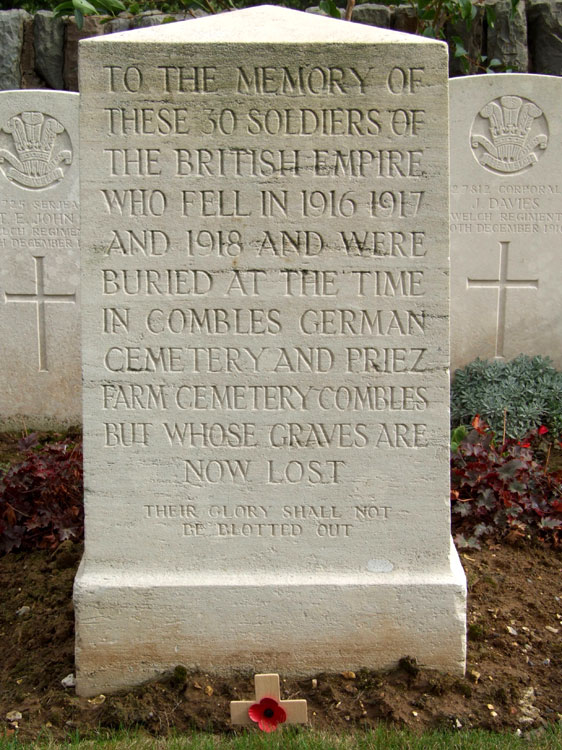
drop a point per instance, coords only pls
(133, 628)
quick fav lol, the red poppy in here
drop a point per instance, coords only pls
(543, 430)
(267, 714)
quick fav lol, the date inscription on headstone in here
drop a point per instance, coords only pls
(39, 273)
(506, 217)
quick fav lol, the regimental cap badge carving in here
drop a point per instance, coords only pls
(35, 160)
(509, 134)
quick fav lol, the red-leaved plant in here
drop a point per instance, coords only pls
(499, 489)
(41, 498)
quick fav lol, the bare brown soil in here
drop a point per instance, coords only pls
(513, 677)
(9, 449)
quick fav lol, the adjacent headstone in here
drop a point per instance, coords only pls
(265, 344)
(39, 251)
(506, 217)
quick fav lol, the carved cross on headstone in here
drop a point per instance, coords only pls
(502, 284)
(40, 298)
(267, 686)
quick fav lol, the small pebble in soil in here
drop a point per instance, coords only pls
(69, 681)
(23, 611)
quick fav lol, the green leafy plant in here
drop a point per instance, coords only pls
(457, 436)
(81, 8)
(499, 489)
(330, 8)
(434, 16)
(216, 6)
(41, 498)
(521, 394)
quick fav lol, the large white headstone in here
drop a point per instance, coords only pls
(506, 217)
(39, 267)
(265, 348)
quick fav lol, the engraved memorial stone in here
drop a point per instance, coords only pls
(39, 272)
(265, 277)
(506, 217)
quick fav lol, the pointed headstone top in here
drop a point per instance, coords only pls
(265, 283)
(264, 24)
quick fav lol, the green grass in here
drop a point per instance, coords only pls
(304, 739)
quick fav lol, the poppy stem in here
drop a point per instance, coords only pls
(547, 459)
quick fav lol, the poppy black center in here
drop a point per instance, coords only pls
(268, 713)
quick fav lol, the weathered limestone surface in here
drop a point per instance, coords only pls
(545, 36)
(117, 24)
(317, 10)
(154, 18)
(49, 48)
(404, 18)
(29, 78)
(372, 14)
(39, 269)
(265, 350)
(11, 41)
(472, 41)
(506, 217)
(538, 48)
(92, 27)
(507, 39)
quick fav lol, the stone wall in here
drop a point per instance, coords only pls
(39, 51)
